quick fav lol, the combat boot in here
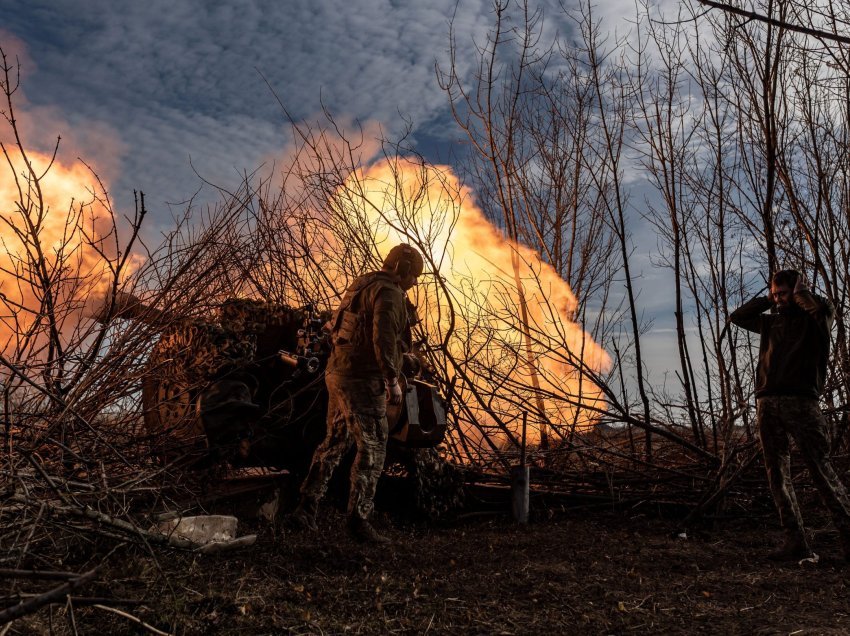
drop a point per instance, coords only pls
(362, 530)
(304, 516)
(793, 548)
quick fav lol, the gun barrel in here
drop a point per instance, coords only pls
(125, 305)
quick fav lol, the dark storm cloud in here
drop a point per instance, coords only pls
(180, 78)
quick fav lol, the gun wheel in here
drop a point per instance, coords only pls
(170, 415)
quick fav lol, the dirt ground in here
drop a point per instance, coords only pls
(567, 573)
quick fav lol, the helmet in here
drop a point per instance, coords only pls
(404, 260)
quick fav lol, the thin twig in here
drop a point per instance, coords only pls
(134, 619)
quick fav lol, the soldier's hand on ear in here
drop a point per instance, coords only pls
(393, 391)
(800, 285)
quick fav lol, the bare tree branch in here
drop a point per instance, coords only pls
(752, 15)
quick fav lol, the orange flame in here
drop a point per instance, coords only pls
(52, 229)
(487, 278)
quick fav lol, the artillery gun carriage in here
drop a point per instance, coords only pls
(244, 386)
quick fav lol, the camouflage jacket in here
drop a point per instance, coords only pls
(371, 329)
(794, 346)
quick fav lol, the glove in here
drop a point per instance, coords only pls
(393, 391)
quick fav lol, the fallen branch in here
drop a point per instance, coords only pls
(722, 487)
(101, 600)
(219, 547)
(10, 573)
(126, 526)
(134, 619)
(152, 537)
(52, 596)
(80, 601)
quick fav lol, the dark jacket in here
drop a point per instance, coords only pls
(794, 346)
(370, 329)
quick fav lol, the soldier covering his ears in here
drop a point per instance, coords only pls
(793, 354)
(370, 333)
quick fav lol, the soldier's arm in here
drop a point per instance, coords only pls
(815, 305)
(749, 314)
(387, 324)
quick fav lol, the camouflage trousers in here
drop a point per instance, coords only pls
(784, 417)
(357, 412)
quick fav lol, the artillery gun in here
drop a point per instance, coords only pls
(245, 387)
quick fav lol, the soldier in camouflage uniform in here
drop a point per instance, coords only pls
(370, 332)
(793, 354)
